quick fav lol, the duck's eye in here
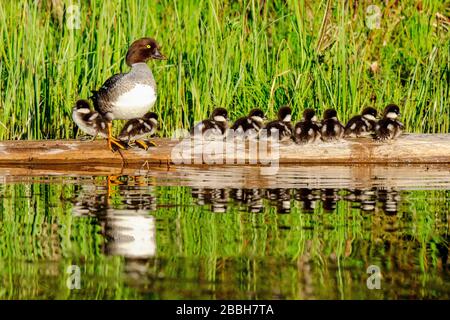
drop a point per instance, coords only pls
(148, 46)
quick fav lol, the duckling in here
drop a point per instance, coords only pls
(389, 128)
(307, 130)
(89, 121)
(283, 125)
(361, 124)
(251, 124)
(216, 125)
(136, 129)
(332, 128)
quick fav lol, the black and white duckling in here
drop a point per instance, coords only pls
(136, 129)
(129, 95)
(389, 128)
(307, 130)
(216, 125)
(332, 129)
(282, 126)
(89, 121)
(251, 124)
(361, 124)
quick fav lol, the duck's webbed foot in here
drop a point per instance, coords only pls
(115, 144)
(144, 144)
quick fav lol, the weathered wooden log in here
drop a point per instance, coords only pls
(410, 148)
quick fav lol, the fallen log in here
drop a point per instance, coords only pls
(408, 149)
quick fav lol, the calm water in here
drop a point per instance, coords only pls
(225, 233)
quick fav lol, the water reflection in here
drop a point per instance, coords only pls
(130, 233)
(216, 198)
(123, 216)
(364, 199)
(251, 200)
(330, 198)
(308, 198)
(145, 241)
(137, 200)
(130, 230)
(389, 198)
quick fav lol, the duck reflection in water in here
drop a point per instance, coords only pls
(125, 222)
(216, 198)
(389, 199)
(281, 198)
(130, 230)
(308, 198)
(251, 198)
(364, 199)
(330, 197)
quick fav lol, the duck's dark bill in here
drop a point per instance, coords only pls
(157, 55)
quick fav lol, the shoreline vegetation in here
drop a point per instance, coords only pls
(238, 55)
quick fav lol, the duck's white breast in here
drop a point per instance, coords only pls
(134, 103)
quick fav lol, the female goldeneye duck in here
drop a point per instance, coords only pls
(282, 126)
(332, 128)
(361, 124)
(307, 130)
(129, 95)
(389, 127)
(251, 124)
(136, 129)
(216, 125)
(89, 121)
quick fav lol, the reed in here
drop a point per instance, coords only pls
(238, 54)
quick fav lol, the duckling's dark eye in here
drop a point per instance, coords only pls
(148, 46)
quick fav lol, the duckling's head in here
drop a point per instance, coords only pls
(82, 106)
(392, 111)
(369, 113)
(309, 115)
(284, 114)
(143, 50)
(152, 117)
(257, 115)
(220, 115)
(330, 114)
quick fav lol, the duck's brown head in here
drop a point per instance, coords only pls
(143, 50)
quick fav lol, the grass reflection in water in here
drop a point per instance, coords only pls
(158, 242)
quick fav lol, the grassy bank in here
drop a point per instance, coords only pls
(238, 55)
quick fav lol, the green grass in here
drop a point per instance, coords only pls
(238, 54)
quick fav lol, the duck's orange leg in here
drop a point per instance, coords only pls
(113, 143)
